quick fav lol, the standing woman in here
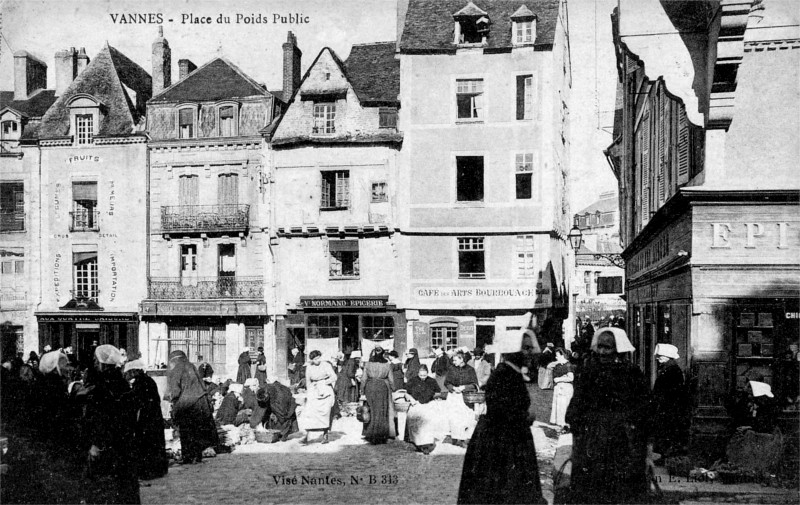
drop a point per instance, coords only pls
(500, 465)
(261, 368)
(191, 408)
(412, 364)
(461, 378)
(316, 414)
(607, 417)
(108, 425)
(378, 390)
(440, 366)
(346, 385)
(244, 371)
(563, 376)
(150, 454)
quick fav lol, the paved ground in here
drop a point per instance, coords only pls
(347, 470)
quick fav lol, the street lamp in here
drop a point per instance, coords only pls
(575, 237)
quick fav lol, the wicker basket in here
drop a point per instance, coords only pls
(268, 436)
(475, 397)
(402, 406)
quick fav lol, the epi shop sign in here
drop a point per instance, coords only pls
(750, 235)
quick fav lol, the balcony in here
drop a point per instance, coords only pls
(205, 218)
(84, 220)
(12, 221)
(11, 299)
(205, 288)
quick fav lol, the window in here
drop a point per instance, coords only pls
(587, 283)
(188, 190)
(9, 130)
(84, 206)
(526, 267)
(12, 206)
(324, 119)
(444, 336)
(469, 178)
(323, 326)
(228, 191)
(227, 122)
(471, 29)
(471, 258)
(524, 176)
(335, 189)
(469, 98)
(524, 33)
(84, 128)
(343, 259)
(524, 97)
(208, 341)
(85, 275)
(186, 124)
(379, 192)
(609, 285)
(377, 327)
(189, 261)
(388, 117)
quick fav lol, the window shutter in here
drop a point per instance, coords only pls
(683, 147)
(84, 191)
(228, 189)
(186, 117)
(342, 189)
(422, 339)
(325, 192)
(661, 157)
(521, 96)
(645, 126)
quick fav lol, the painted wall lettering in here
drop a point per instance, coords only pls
(113, 293)
(755, 235)
(57, 276)
(83, 158)
(57, 198)
(112, 198)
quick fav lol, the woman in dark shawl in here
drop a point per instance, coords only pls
(261, 367)
(412, 364)
(378, 390)
(191, 408)
(346, 385)
(108, 427)
(607, 417)
(500, 465)
(398, 380)
(461, 378)
(280, 409)
(670, 408)
(150, 454)
(244, 371)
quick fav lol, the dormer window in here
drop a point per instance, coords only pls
(226, 122)
(186, 126)
(9, 130)
(84, 111)
(471, 25)
(524, 33)
(523, 26)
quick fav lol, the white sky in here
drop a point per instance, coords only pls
(43, 27)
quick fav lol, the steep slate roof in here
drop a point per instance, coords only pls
(103, 79)
(216, 80)
(35, 106)
(374, 73)
(429, 23)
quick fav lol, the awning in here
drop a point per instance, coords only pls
(84, 191)
(343, 245)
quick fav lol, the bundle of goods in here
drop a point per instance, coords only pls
(349, 409)
(267, 436)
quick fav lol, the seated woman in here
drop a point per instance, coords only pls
(460, 378)
(421, 420)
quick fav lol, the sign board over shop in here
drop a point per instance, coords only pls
(86, 318)
(344, 303)
(463, 293)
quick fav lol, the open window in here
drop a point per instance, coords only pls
(471, 25)
(335, 192)
(84, 271)
(10, 129)
(186, 123)
(343, 260)
(469, 99)
(524, 97)
(469, 178)
(85, 216)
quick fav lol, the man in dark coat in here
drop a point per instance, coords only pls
(244, 366)
(669, 404)
(191, 408)
(149, 446)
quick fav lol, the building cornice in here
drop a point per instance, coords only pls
(207, 144)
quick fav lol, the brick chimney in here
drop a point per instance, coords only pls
(30, 74)
(83, 61)
(66, 69)
(185, 67)
(291, 66)
(161, 57)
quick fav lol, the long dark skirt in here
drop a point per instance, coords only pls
(377, 430)
(197, 429)
(150, 447)
(500, 465)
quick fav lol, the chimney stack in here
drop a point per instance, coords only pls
(291, 67)
(185, 67)
(162, 62)
(30, 74)
(83, 61)
(66, 69)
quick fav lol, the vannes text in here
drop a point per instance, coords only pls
(157, 18)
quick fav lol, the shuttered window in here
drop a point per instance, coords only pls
(227, 122)
(186, 124)
(645, 153)
(683, 147)
(228, 189)
(188, 189)
(526, 263)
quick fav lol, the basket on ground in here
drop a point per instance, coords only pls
(268, 436)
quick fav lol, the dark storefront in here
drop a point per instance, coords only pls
(80, 329)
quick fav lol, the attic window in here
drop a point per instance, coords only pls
(186, 128)
(471, 25)
(85, 117)
(9, 130)
(524, 32)
(523, 26)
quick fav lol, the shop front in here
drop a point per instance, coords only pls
(82, 330)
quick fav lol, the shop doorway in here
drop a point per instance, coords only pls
(87, 340)
(484, 336)
(350, 340)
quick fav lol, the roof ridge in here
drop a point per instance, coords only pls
(121, 87)
(375, 43)
(200, 69)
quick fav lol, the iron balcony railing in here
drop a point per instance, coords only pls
(84, 295)
(11, 220)
(205, 218)
(205, 288)
(84, 220)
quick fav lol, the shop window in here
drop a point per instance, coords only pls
(471, 261)
(343, 259)
(84, 207)
(377, 327)
(227, 121)
(379, 192)
(387, 117)
(324, 119)
(609, 285)
(335, 189)
(524, 97)
(207, 341)
(524, 176)
(322, 326)
(526, 264)
(12, 206)
(444, 336)
(186, 127)
(469, 178)
(85, 275)
(469, 98)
